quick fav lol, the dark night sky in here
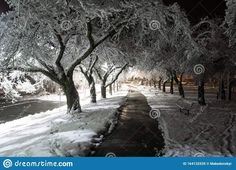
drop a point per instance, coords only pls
(195, 9)
(3, 6)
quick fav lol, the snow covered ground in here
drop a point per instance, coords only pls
(55, 133)
(207, 131)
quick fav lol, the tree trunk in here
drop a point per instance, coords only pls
(103, 91)
(230, 91)
(201, 93)
(92, 88)
(142, 82)
(179, 83)
(110, 89)
(72, 96)
(181, 89)
(180, 86)
(172, 85)
(159, 84)
(164, 86)
(150, 83)
(155, 84)
(117, 86)
(93, 93)
(114, 87)
(221, 92)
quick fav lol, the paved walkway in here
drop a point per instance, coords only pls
(136, 134)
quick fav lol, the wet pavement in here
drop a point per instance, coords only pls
(136, 134)
(12, 111)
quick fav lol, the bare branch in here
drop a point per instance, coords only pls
(61, 53)
(90, 70)
(89, 34)
(117, 75)
(36, 70)
(98, 74)
(82, 70)
(109, 71)
(93, 44)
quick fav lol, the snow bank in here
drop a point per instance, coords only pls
(54, 133)
(206, 133)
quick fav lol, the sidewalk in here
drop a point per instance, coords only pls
(136, 134)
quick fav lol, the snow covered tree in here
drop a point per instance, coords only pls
(169, 56)
(112, 63)
(16, 84)
(87, 69)
(54, 37)
(230, 19)
(216, 56)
